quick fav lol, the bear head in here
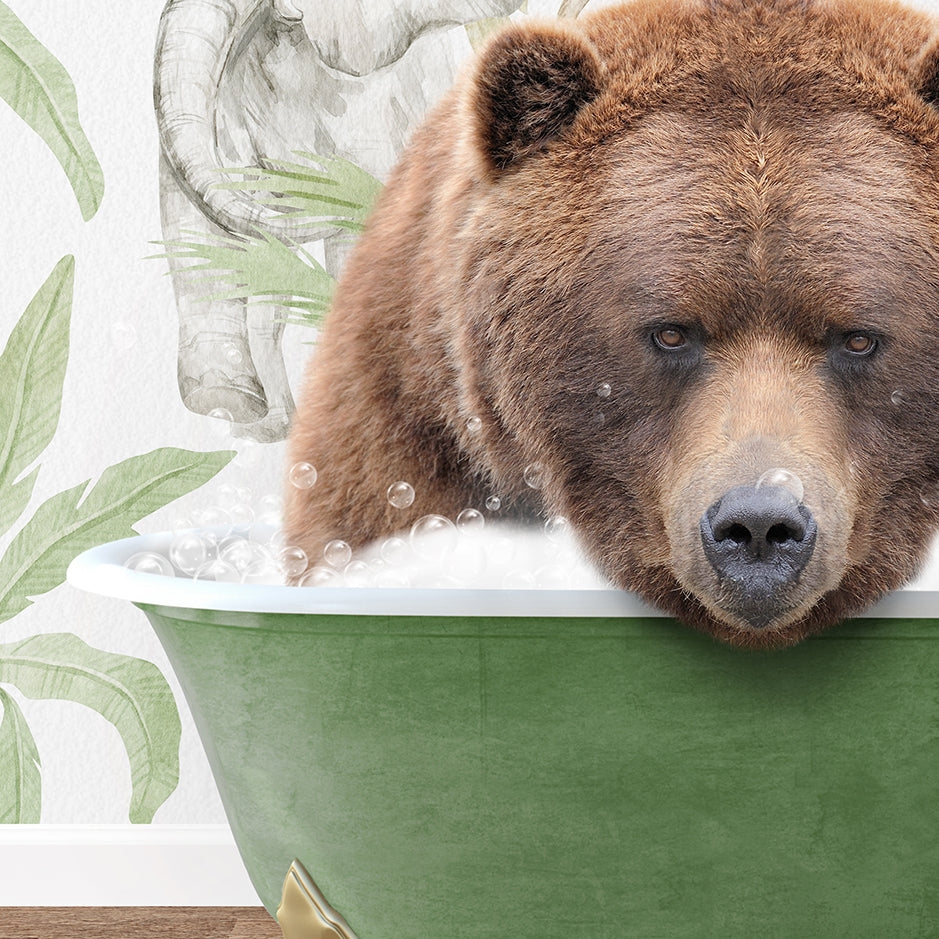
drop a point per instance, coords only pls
(694, 278)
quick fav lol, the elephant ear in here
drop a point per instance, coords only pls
(531, 82)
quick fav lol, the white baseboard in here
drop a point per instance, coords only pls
(122, 865)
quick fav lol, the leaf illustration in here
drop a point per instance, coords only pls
(14, 499)
(130, 693)
(479, 31)
(34, 83)
(572, 8)
(325, 189)
(263, 267)
(36, 559)
(20, 780)
(32, 370)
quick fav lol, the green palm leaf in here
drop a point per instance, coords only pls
(34, 83)
(130, 693)
(15, 498)
(20, 779)
(324, 190)
(38, 556)
(32, 370)
(259, 268)
(479, 31)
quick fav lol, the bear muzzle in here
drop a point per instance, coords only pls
(758, 541)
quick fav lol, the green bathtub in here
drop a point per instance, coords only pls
(547, 764)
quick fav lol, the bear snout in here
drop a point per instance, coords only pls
(758, 540)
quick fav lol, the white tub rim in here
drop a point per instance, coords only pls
(100, 570)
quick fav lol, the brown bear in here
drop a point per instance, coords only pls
(661, 251)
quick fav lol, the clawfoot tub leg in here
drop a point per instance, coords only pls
(304, 913)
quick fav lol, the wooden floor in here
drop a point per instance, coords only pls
(131, 922)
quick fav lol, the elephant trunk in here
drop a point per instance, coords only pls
(194, 42)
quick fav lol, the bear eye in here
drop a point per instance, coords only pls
(859, 344)
(669, 338)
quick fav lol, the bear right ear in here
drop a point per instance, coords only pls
(530, 83)
(925, 72)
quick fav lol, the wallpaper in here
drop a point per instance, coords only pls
(182, 184)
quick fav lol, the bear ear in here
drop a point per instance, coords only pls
(530, 83)
(925, 72)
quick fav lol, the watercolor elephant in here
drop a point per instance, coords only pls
(246, 83)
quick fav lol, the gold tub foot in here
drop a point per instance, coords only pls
(304, 913)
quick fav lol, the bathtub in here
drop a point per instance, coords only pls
(440, 764)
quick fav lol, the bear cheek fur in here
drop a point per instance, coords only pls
(539, 333)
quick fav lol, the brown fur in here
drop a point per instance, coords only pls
(764, 174)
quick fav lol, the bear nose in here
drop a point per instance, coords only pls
(758, 541)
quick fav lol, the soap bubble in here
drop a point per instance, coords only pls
(149, 562)
(264, 529)
(216, 518)
(337, 554)
(274, 541)
(302, 475)
(241, 514)
(266, 523)
(262, 571)
(188, 552)
(470, 521)
(269, 504)
(293, 560)
(321, 577)
(217, 571)
(534, 475)
(557, 527)
(233, 354)
(604, 390)
(226, 495)
(211, 540)
(180, 524)
(474, 424)
(356, 574)
(240, 553)
(784, 479)
(394, 550)
(897, 399)
(493, 503)
(443, 542)
(224, 419)
(401, 495)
